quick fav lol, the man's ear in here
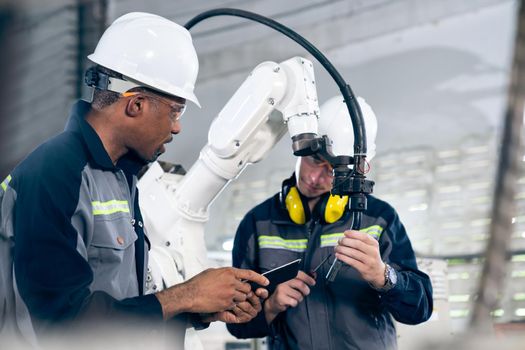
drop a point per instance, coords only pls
(135, 106)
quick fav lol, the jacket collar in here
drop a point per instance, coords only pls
(77, 123)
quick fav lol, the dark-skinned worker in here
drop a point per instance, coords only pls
(74, 247)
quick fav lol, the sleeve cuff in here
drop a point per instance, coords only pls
(145, 305)
(197, 323)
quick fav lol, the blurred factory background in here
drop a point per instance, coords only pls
(435, 72)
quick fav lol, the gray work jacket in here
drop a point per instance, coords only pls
(344, 314)
(71, 236)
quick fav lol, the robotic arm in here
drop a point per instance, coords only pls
(273, 98)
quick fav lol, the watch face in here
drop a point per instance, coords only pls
(391, 278)
(392, 275)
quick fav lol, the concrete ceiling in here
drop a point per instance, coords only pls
(227, 45)
(435, 72)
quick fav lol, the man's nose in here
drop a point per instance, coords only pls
(176, 127)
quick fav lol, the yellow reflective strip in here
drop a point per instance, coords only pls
(331, 239)
(6, 182)
(110, 207)
(374, 230)
(373, 233)
(275, 241)
(332, 235)
(282, 244)
(277, 238)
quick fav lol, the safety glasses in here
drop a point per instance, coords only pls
(176, 109)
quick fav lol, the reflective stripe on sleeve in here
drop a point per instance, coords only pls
(6, 182)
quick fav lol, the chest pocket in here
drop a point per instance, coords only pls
(113, 239)
(275, 251)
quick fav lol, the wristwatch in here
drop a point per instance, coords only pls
(390, 279)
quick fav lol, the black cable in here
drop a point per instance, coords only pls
(351, 102)
(190, 11)
(278, 15)
(354, 110)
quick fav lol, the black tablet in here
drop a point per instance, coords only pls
(279, 275)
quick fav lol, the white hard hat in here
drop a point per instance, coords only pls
(151, 51)
(334, 121)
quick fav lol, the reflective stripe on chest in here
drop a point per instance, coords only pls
(300, 245)
(331, 239)
(110, 207)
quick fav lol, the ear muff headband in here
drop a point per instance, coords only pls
(295, 207)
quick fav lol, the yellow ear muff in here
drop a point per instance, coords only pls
(335, 208)
(294, 205)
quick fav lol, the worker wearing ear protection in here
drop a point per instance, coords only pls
(379, 280)
(74, 250)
